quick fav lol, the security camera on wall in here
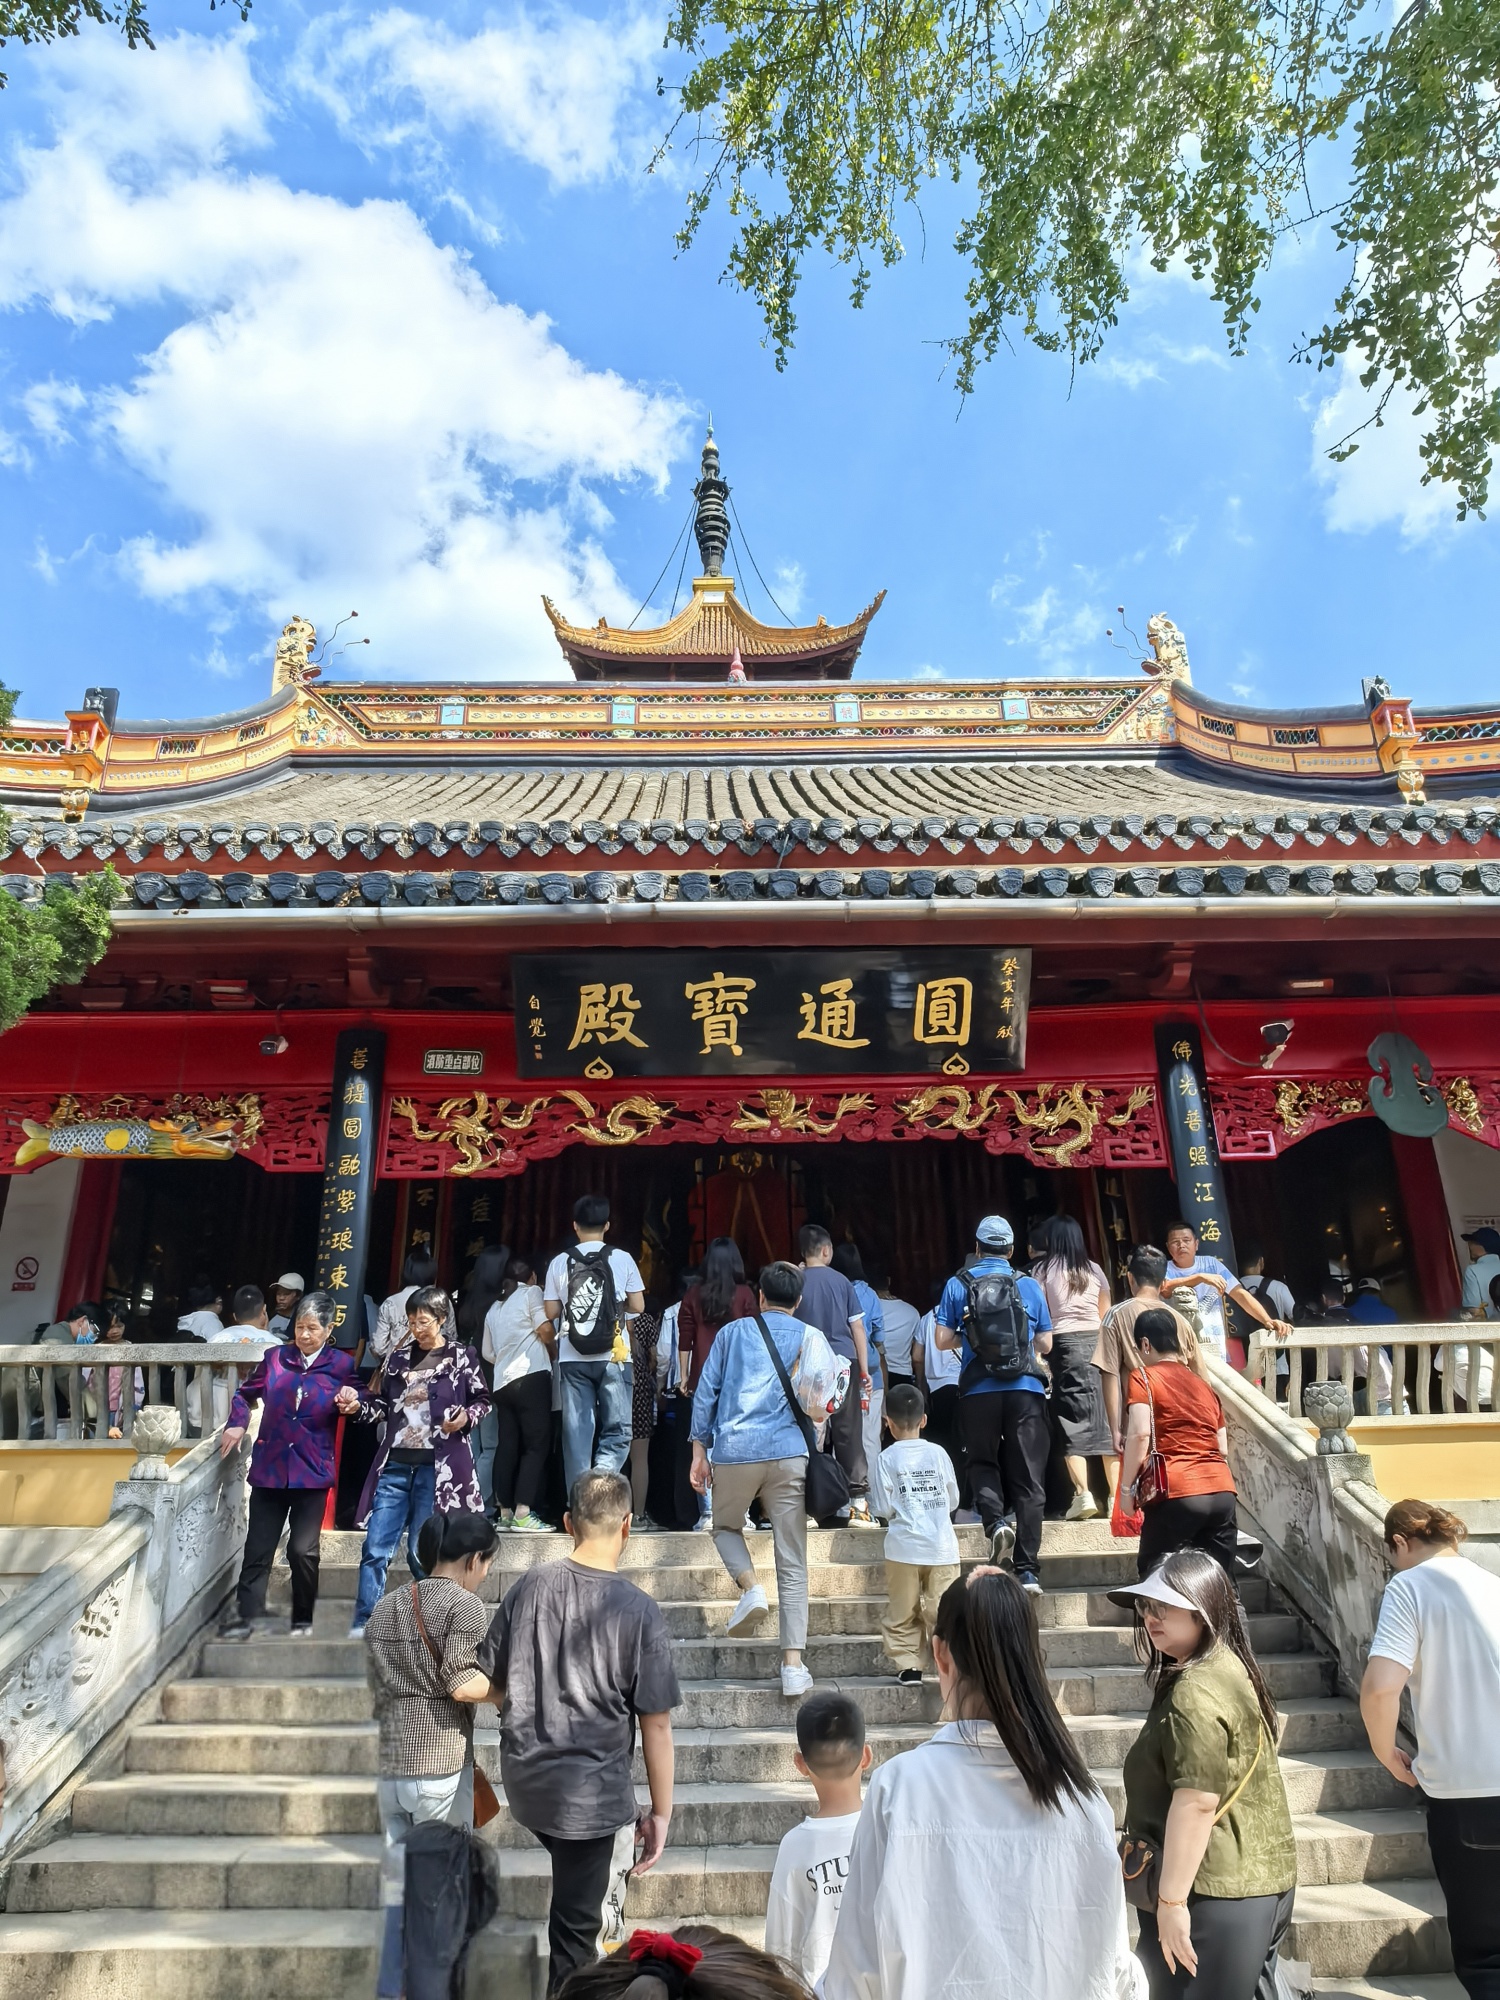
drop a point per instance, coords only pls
(1275, 1035)
(274, 1045)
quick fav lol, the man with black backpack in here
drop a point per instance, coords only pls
(1000, 1327)
(590, 1293)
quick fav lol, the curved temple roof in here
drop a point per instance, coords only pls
(706, 636)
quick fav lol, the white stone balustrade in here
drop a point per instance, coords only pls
(31, 1377)
(1398, 1361)
(81, 1643)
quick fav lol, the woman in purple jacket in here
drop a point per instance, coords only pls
(430, 1396)
(292, 1467)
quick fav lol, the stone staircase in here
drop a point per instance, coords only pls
(234, 1852)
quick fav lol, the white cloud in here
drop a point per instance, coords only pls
(1381, 484)
(790, 580)
(569, 94)
(1179, 534)
(49, 405)
(345, 414)
(1060, 630)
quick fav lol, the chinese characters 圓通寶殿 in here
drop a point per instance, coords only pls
(701, 1013)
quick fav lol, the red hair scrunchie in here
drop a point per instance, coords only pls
(668, 1958)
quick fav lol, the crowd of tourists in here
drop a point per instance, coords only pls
(986, 1860)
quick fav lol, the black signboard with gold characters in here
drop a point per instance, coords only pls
(349, 1179)
(776, 1013)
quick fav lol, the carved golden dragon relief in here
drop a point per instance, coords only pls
(1078, 1104)
(472, 1125)
(783, 1113)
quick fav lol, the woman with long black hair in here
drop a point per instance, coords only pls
(517, 1345)
(1204, 1792)
(984, 1862)
(719, 1295)
(1077, 1298)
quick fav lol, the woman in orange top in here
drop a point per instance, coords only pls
(1169, 1401)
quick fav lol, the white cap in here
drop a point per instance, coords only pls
(1157, 1589)
(290, 1281)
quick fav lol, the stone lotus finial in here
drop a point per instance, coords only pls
(1330, 1406)
(157, 1427)
(1170, 648)
(294, 655)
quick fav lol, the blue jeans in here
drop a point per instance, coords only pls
(486, 1439)
(596, 1422)
(405, 1803)
(403, 1500)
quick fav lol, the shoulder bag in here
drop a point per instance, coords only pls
(486, 1805)
(827, 1483)
(1140, 1859)
(1151, 1480)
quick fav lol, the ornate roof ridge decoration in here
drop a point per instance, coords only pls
(701, 641)
(1257, 1118)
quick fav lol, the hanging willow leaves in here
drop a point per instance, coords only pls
(1088, 132)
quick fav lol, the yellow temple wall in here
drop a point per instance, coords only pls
(1432, 1458)
(62, 1485)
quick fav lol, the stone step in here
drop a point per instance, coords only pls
(190, 1954)
(1103, 1690)
(1311, 1726)
(1413, 1986)
(97, 1871)
(338, 1699)
(699, 1618)
(93, 1870)
(216, 1803)
(1349, 1929)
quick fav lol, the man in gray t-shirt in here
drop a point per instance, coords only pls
(830, 1303)
(576, 1655)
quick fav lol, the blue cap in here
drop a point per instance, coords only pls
(995, 1233)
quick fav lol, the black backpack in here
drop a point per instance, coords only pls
(591, 1311)
(997, 1327)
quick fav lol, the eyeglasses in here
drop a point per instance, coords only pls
(1149, 1608)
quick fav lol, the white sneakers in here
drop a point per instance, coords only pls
(796, 1682)
(750, 1613)
(1084, 1507)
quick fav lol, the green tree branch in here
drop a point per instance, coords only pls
(1092, 132)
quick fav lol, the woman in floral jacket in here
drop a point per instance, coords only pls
(430, 1395)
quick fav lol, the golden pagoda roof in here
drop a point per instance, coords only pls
(700, 643)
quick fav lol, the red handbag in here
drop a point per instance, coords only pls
(1151, 1480)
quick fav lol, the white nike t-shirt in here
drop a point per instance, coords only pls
(806, 1886)
(627, 1278)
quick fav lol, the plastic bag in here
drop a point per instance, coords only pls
(1120, 1523)
(820, 1377)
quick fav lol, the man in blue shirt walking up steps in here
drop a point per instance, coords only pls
(1000, 1327)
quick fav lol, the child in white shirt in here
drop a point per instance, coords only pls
(813, 1859)
(913, 1486)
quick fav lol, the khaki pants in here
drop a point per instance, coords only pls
(912, 1591)
(780, 1484)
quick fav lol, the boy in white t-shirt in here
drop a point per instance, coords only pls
(913, 1487)
(813, 1859)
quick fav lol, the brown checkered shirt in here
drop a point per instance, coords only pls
(424, 1732)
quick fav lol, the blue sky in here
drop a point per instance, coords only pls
(377, 309)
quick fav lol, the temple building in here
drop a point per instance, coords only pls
(739, 939)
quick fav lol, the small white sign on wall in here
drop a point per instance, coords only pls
(33, 1244)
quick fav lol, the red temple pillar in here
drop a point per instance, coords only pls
(1427, 1224)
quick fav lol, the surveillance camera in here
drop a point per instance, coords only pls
(1275, 1035)
(274, 1045)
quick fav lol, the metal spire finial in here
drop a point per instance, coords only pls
(711, 526)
